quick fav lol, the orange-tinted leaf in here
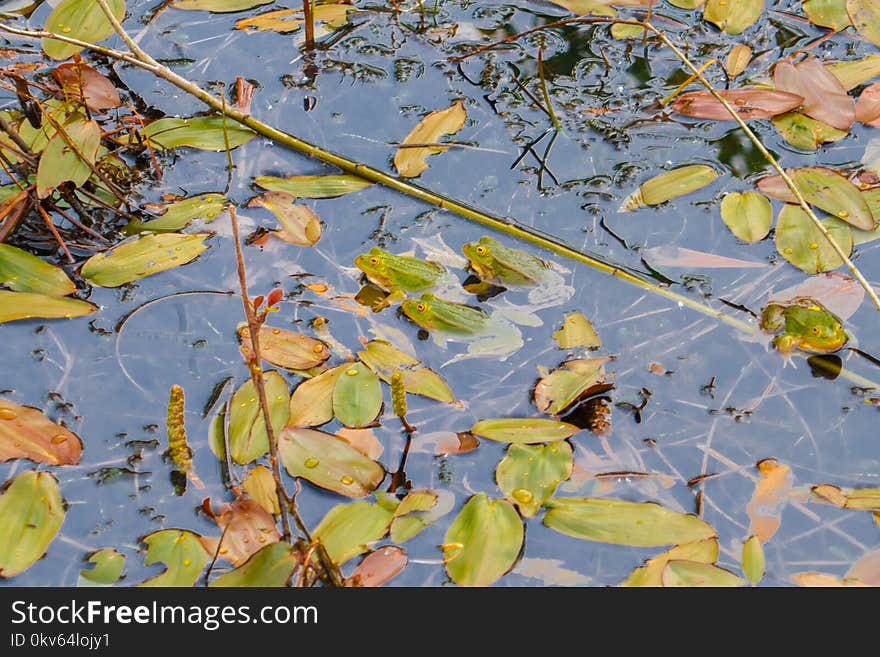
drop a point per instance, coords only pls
(868, 106)
(363, 440)
(822, 580)
(445, 442)
(284, 348)
(748, 103)
(410, 162)
(831, 494)
(246, 526)
(738, 59)
(25, 433)
(378, 567)
(866, 569)
(838, 292)
(765, 507)
(677, 256)
(825, 99)
(81, 82)
(299, 225)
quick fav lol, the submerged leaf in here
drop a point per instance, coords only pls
(573, 380)
(670, 185)
(348, 529)
(24, 272)
(800, 242)
(749, 104)
(138, 257)
(696, 573)
(419, 509)
(208, 133)
(483, 542)
(31, 513)
(765, 507)
(410, 162)
(26, 433)
(182, 553)
(279, 20)
(313, 186)
(524, 430)
(748, 215)
(79, 19)
(529, 474)
(271, 566)
(26, 305)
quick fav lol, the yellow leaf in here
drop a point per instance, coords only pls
(410, 161)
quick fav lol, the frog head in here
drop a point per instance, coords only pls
(811, 327)
(482, 257)
(375, 264)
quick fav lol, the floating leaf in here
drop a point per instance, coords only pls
(669, 185)
(765, 507)
(247, 430)
(384, 358)
(25, 433)
(828, 13)
(747, 214)
(800, 242)
(753, 560)
(524, 430)
(837, 292)
(328, 461)
(311, 404)
(686, 4)
(529, 474)
(738, 59)
(61, 163)
(202, 132)
(260, 486)
(627, 31)
(825, 99)
(280, 20)
(81, 82)
(577, 331)
(313, 186)
(865, 499)
(182, 553)
(679, 256)
(79, 19)
(866, 569)
(419, 509)
(575, 379)
(623, 522)
(732, 16)
(348, 529)
(107, 570)
(271, 566)
(483, 542)
(137, 257)
(805, 133)
(357, 397)
(378, 567)
(284, 348)
(177, 215)
(363, 440)
(855, 72)
(757, 103)
(218, 6)
(24, 272)
(410, 162)
(868, 105)
(865, 17)
(31, 512)
(696, 573)
(246, 527)
(299, 225)
(26, 305)
(651, 574)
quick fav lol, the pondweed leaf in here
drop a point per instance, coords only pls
(574, 379)
(182, 553)
(26, 305)
(209, 133)
(108, 565)
(828, 13)
(855, 72)
(732, 16)
(749, 104)
(349, 529)
(768, 499)
(31, 513)
(245, 527)
(284, 348)
(527, 430)
(378, 567)
(313, 186)
(805, 133)
(26, 433)
(825, 99)
(299, 224)
(357, 396)
(747, 214)
(218, 6)
(577, 331)
(247, 429)
(753, 560)
(24, 272)
(260, 487)
(62, 163)
(177, 215)
(279, 20)
(384, 358)
(865, 17)
(651, 574)
(866, 569)
(410, 162)
(868, 106)
(419, 509)
(670, 185)
(80, 81)
(137, 257)
(529, 474)
(800, 242)
(79, 19)
(738, 59)
(696, 573)
(311, 403)
(271, 566)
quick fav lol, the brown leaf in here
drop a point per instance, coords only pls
(831, 494)
(825, 99)
(247, 527)
(822, 580)
(284, 348)
(25, 433)
(658, 369)
(765, 507)
(410, 162)
(81, 82)
(748, 103)
(244, 93)
(868, 106)
(378, 567)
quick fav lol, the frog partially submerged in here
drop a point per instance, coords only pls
(501, 265)
(805, 324)
(486, 335)
(398, 274)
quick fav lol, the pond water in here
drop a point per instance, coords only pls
(723, 404)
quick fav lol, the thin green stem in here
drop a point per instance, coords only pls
(546, 93)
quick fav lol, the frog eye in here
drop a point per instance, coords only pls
(481, 250)
(421, 307)
(816, 330)
(374, 260)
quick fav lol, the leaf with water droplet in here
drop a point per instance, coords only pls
(747, 214)
(182, 553)
(247, 429)
(349, 529)
(24, 272)
(328, 461)
(299, 224)
(177, 215)
(651, 574)
(79, 19)
(271, 566)
(483, 542)
(623, 522)
(108, 565)
(670, 185)
(31, 513)
(800, 242)
(384, 358)
(529, 474)
(378, 567)
(26, 433)
(246, 527)
(419, 509)
(526, 430)
(311, 403)
(357, 397)
(411, 162)
(284, 348)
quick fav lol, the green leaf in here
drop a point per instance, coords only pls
(31, 512)
(800, 242)
(529, 474)
(524, 430)
(651, 574)
(260, 487)
(138, 257)
(218, 6)
(828, 13)
(855, 72)
(383, 358)
(202, 132)
(284, 348)
(271, 566)
(806, 133)
(299, 225)
(26, 433)
(181, 552)
(732, 16)
(311, 404)
(753, 559)
(410, 162)
(177, 215)
(686, 4)
(557, 391)
(577, 331)
(108, 568)
(872, 197)
(328, 461)
(314, 186)
(419, 509)
(348, 529)
(483, 542)
(622, 522)
(833, 193)
(61, 163)
(747, 214)
(627, 31)
(669, 185)
(357, 397)
(247, 430)
(26, 305)
(24, 272)
(79, 19)
(695, 573)
(280, 20)
(865, 17)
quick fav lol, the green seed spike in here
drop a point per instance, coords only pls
(178, 449)
(398, 399)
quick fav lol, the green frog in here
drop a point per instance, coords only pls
(487, 335)
(806, 325)
(398, 274)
